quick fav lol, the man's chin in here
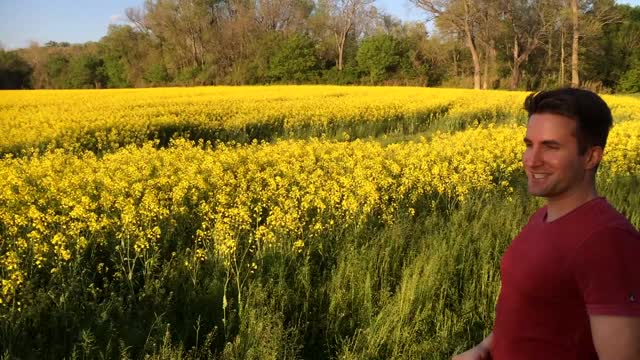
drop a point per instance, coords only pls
(538, 192)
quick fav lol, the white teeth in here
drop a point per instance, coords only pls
(539, 176)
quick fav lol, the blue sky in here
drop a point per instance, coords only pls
(22, 21)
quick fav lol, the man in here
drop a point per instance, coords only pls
(571, 278)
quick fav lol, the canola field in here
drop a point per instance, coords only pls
(280, 222)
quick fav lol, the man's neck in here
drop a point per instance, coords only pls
(558, 207)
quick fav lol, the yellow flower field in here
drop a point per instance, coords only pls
(107, 119)
(267, 195)
(135, 206)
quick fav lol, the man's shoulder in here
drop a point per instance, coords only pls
(609, 227)
(605, 216)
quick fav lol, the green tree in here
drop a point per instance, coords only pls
(252, 67)
(115, 73)
(86, 71)
(15, 72)
(55, 44)
(57, 68)
(157, 75)
(610, 57)
(423, 60)
(343, 19)
(296, 60)
(463, 18)
(379, 56)
(630, 80)
(127, 55)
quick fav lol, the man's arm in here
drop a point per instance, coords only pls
(616, 337)
(478, 352)
(605, 267)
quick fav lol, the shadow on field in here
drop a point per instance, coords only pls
(105, 140)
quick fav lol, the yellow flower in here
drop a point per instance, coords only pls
(298, 246)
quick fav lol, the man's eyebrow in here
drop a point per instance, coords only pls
(544, 142)
(551, 142)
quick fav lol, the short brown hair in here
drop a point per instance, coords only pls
(592, 115)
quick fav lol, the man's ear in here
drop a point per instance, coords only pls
(593, 157)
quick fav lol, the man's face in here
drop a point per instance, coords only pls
(551, 160)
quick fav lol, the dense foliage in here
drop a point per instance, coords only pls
(517, 45)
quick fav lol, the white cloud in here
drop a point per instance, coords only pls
(113, 19)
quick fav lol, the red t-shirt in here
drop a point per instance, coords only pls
(555, 274)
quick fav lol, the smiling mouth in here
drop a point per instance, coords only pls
(539, 176)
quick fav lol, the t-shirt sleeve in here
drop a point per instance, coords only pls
(607, 271)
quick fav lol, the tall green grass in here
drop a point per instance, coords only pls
(422, 288)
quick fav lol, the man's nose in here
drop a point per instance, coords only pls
(532, 157)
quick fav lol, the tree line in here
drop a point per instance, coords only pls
(484, 44)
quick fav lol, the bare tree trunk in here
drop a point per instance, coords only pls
(561, 80)
(462, 19)
(549, 51)
(575, 46)
(519, 58)
(515, 69)
(346, 18)
(488, 21)
(493, 53)
(340, 42)
(472, 48)
(455, 62)
(476, 63)
(194, 49)
(485, 77)
(489, 65)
